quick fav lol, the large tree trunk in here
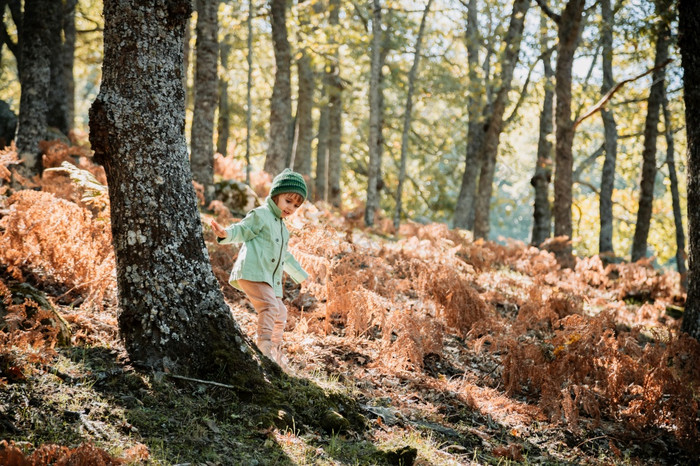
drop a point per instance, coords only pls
(651, 132)
(689, 41)
(172, 315)
(305, 101)
(568, 32)
(224, 120)
(464, 210)
(407, 114)
(542, 216)
(375, 129)
(35, 73)
(205, 95)
(607, 179)
(489, 148)
(675, 195)
(278, 151)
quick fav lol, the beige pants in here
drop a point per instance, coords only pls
(272, 316)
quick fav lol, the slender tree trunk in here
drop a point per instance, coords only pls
(68, 53)
(205, 96)
(305, 102)
(651, 132)
(321, 181)
(57, 114)
(304, 119)
(675, 195)
(335, 110)
(464, 210)
(375, 129)
(489, 149)
(281, 102)
(173, 316)
(689, 41)
(542, 216)
(568, 32)
(249, 88)
(224, 121)
(607, 180)
(407, 114)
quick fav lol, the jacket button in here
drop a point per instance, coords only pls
(278, 283)
(273, 260)
(277, 240)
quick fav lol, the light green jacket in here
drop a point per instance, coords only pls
(264, 254)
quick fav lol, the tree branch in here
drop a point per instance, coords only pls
(587, 162)
(548, 11)
(601, 103)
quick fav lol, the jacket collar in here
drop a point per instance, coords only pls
(273, 207)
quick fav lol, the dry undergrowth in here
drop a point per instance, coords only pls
(564, 342)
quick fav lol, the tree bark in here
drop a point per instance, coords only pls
(689, 41)
(464, 210)
(280, 141)
(68, 53)
(542, 216)
(675, 195)
(335, 109)
(651, 132)
(321, 180)
(407, 114)
(568, 33)
(35, 73)
(249, 89)
(57, 114)
(607, 180)
(224, 120)
(205, 95)
(305, 101)
(375, 129)
(489, 149)
(173, 316)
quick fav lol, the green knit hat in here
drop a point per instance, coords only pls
(288, 182)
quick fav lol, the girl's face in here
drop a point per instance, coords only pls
(288, 203)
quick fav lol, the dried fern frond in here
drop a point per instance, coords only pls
(93, 192)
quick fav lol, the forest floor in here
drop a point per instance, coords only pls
(457, 352)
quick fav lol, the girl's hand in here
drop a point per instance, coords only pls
(218, 229)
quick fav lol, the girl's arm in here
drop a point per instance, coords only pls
(240, 232)
(294, 269)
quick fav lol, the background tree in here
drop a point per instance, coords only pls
(407, 114)
(689, 41)
(476, 104)
(205, 95)
(569, 28)
(304, 124)
(280, 141)
(675, 194)
(375, 127)
(494, 125)
(35, 73)
(542, 213)
(651, 132)
(224, 118)
(607, 179)
(335, 105)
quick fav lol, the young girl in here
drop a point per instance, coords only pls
(263, 256)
